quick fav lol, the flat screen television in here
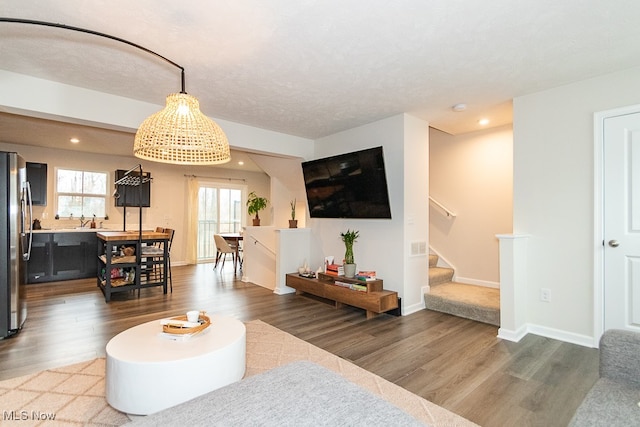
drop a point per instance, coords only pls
(130, 194)
(352, 185)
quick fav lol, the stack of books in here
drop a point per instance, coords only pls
(366, 275)
(334, 270)
(352, 286)
(342, 284)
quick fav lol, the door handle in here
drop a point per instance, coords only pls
(614, 243)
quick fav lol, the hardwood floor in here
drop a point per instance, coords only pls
(456, 363)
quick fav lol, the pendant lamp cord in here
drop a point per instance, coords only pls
(97, 33)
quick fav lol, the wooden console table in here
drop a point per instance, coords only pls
(108, 260)
(375, 300)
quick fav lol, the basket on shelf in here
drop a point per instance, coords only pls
(179, 329)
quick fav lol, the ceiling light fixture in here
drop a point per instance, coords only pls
(178, 134)
(459, 107)
(483, 122)
(74, 140)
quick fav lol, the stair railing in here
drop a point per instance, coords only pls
(446, 210)
(258, 242)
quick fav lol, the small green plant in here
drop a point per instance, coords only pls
(293, 209)
(348, 238)
(255, 204)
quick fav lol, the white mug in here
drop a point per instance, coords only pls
(193, 316)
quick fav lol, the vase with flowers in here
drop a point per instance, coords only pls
(349, 237)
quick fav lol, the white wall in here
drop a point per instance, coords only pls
(554, 197)
(471, 174)
(415, 169)
(168, 190)
(30, 96)
(287, 184)
(383, 243)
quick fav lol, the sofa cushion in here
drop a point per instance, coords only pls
(619, 359)
(298, 394)
(609, 403)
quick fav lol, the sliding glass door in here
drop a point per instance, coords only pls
(219, 211)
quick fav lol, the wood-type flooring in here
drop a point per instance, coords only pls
(456, 363)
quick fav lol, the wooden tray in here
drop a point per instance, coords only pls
(180, 330)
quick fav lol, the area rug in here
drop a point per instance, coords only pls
(75, 395)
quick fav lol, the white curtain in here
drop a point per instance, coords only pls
(192, 220)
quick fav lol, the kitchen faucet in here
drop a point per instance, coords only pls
(83, 222)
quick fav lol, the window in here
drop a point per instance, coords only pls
(219, 211)
(81, 193)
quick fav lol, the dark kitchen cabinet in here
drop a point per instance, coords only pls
(62, 256)
(37, 177)
(39, 264)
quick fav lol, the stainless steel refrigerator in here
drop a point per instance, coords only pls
(16, 217)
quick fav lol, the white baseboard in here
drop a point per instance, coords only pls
(484, 283)
(556, 334)
(283, 290)
(543, 331)
(442, 261)
(509, 335)
(424, 290)
(407, 310)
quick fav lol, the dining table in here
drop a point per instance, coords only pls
(234, 239)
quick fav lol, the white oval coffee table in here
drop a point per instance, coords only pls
(146, 373)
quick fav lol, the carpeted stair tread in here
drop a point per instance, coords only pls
(433, 260)
(470, 294)
(439, 275)
(469, 301)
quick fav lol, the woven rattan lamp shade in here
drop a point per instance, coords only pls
(181, 134)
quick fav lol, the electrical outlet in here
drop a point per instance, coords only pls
(545, 294)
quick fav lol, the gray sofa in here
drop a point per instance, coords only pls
(613, 400)
(298, 394)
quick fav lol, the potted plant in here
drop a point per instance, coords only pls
(293, 222)
(254, 205)
(349, 237)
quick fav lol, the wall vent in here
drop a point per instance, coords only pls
(418, 248)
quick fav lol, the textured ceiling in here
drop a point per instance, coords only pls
(313, 68)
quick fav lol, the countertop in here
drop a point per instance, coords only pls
(71, 230)
(131, 235)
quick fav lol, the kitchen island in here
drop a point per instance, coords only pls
(121, 265)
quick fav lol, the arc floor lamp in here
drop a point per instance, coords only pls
(178, 134)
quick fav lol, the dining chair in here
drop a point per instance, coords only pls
(155, 252)
(222, 249)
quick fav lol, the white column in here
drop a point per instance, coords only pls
(513, 285)
(293, 249)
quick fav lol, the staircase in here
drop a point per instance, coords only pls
(469, 301)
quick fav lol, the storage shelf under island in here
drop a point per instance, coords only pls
(138, 267)
(374, 300)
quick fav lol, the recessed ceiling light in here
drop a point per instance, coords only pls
(483, 122)
(74, 140)
(241, 163)
(459, 107)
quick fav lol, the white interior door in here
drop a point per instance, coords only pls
(622, 222)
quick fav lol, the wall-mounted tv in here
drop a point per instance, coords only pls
(352, 185)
